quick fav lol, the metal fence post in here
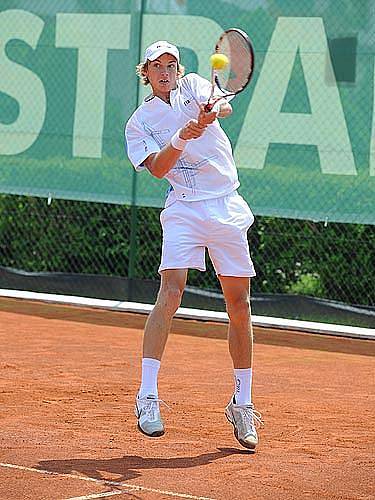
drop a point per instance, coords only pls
(136, 22)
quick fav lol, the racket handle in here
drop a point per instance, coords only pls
(212, 106)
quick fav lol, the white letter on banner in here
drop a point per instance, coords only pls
(21, 83)
(325, 127)
(93, 35)
(178, 30)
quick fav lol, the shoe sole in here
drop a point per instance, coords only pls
(242, 443)
(154, 434)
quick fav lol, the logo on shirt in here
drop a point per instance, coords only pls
(145, 145)
(187, 102)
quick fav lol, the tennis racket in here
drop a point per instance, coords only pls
(236, 75)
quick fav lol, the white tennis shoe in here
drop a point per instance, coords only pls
(244, 419)
(147, 411)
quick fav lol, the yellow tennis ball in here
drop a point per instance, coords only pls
(219, 61)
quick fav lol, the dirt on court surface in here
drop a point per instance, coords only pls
(68, 381)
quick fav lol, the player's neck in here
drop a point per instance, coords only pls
(164, 96)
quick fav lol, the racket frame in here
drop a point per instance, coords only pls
(215, 82)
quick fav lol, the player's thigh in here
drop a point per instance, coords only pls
(184, 237)
(230, 256)
(182, 253)
(228, 244)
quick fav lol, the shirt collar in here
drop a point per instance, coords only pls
(154, 100)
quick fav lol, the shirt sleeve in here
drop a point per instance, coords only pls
(139, 144)
(200, 88)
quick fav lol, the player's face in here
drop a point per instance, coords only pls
(162, 74)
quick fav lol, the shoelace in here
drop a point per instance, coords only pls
(252, 416)
(150, 407)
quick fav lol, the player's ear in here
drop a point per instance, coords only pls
(144, 70)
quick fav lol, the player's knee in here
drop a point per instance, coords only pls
(239, 309)
(170, 296)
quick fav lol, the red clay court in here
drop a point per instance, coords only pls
(69, 377)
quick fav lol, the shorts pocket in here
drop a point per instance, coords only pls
(244, 208)
(167, 211)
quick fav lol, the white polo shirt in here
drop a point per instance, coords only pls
(206, 167)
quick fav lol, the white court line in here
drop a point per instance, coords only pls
(106, 483)
(197, 314)
(98, 495)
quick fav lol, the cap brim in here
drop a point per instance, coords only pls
(160, 52)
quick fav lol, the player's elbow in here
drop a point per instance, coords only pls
(157, 174)
(156, 171)
(153, 166)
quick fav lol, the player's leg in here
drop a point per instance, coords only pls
(236, 292)
(147, 408)
(230, 255)
(158, 324)
(240, 411)
(182, 249)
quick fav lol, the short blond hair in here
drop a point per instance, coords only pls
(141, 68)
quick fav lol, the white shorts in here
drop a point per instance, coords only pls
(219, 224)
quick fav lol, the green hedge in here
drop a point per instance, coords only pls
(334, 261)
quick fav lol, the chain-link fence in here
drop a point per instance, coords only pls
(331, 261)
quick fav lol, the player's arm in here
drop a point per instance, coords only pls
(220, 110)
(159, 164)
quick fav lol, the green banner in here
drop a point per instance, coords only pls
(303, 133)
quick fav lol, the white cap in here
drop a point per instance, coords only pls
(162, 47)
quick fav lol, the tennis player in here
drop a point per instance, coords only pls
(172, 137)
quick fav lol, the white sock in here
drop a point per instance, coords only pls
(150, 370)
(242, 385)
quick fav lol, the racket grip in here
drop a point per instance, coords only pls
(213, 106)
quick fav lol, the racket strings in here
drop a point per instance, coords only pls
(236, 75)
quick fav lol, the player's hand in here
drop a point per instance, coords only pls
(192, 130)
(207, 117)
